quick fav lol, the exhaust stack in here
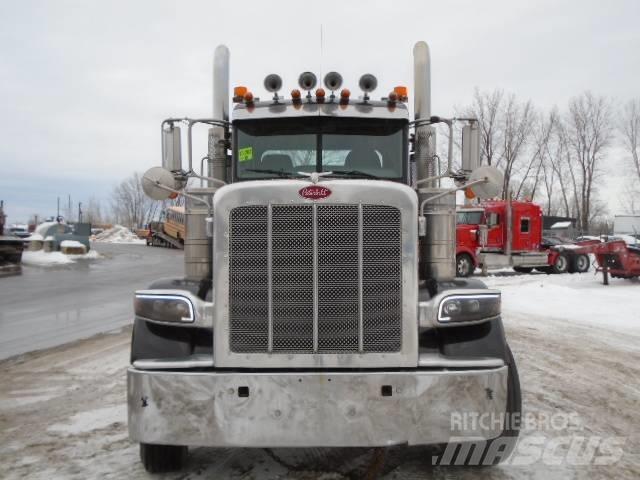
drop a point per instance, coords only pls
(198, 246)
(422, 80)
(438, 246)
(217, 154)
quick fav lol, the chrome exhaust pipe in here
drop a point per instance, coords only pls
(438, 245)
(198, 246)
(422, 81)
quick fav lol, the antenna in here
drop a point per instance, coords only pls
(321, 49)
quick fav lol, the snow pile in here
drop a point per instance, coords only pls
(40, 258)
(118, 234)
(35, 237)
(43, 228)
(577, 298)
(71, 244)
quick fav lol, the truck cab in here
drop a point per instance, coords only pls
(319, 306)
(501, 233)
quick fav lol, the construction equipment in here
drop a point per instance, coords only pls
(614, 258)
(319, 305)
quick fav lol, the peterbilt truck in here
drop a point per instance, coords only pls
(319, 305)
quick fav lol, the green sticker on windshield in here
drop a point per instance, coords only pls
(245, 154)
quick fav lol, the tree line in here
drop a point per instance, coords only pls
(559, 157)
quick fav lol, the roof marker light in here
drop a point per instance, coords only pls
(239, 93)
(296, 98)
(320, 95)
(402, 92)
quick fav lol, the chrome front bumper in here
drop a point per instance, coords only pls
(313, 409)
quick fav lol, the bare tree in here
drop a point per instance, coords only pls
(630, 131)
(588, 133)
(517, 122)
(93, 211)
(629, 201)
(487, 108)
(541, 137)
(131, 207)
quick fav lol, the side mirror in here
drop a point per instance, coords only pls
(171, 149)
(491, 181)
(483, 235)
(158, 183)
(470, 147)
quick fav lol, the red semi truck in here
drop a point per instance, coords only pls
(500, 233)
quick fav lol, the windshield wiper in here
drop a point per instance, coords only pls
(353, 173)
(280, 173)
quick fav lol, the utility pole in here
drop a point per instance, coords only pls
(79, 212)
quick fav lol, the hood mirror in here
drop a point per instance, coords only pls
(159, 183)
(492, 181)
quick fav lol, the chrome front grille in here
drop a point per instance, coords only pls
(315, 279)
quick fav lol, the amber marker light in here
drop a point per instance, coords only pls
(402, 93)
(239, 93)
(468, 193)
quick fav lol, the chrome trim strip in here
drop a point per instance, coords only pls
(436, 360)
(315, 277)
(193, 361)
(269, 278)
(355, 108)
(360, 273)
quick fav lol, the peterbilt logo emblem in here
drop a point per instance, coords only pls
(314, 192)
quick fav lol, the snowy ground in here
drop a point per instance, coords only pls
(577, 344)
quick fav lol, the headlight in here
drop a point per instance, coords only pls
(469, 308)
(164, 308)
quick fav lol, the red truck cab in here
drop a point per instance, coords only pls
(520, 246)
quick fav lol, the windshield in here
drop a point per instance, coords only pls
(469, 218)
(355, 147)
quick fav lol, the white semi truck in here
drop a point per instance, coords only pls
(319, 305)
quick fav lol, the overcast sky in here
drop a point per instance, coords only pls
(84, 85)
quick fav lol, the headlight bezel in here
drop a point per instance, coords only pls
(150, 307)
(430, 310)
(487, 306)
(199, 312)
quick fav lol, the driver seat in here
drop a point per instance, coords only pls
(362, 158)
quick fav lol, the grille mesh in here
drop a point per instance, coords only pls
(323, 281)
